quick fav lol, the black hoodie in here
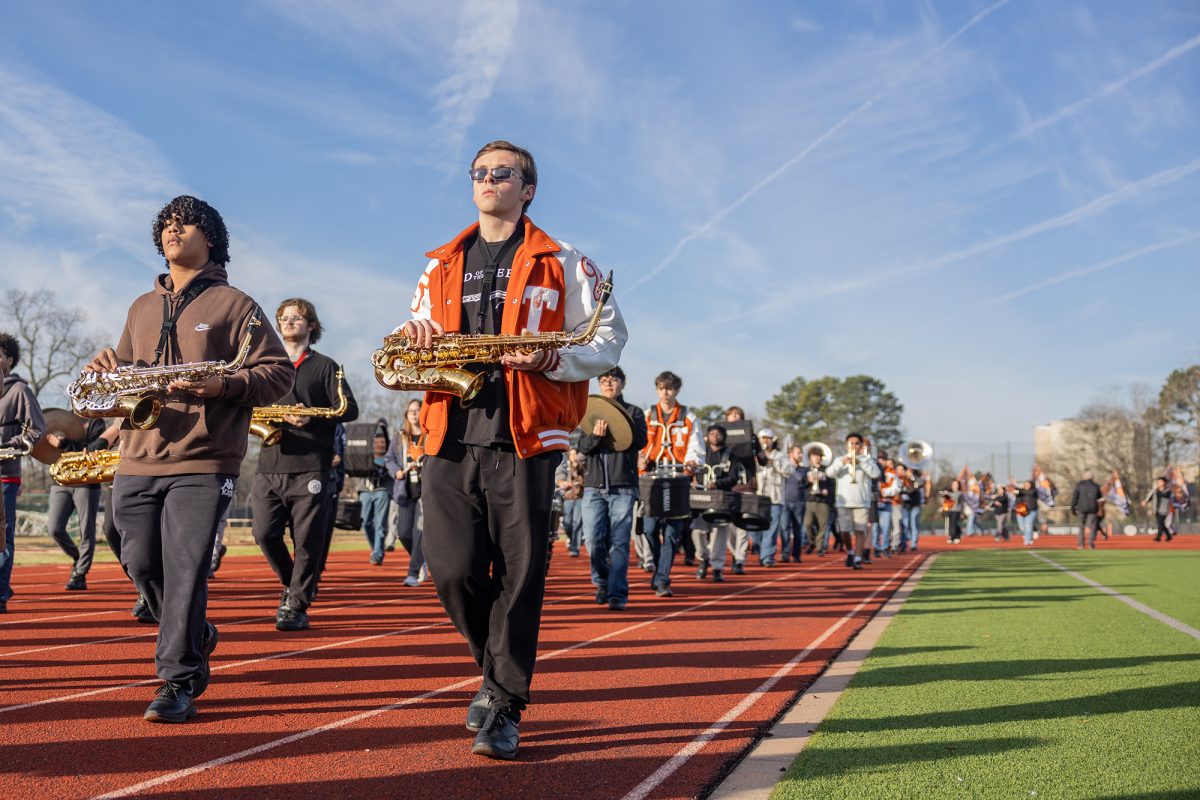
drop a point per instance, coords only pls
(21, 422)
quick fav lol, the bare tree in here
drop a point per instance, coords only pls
(375, 402)
(54, 344)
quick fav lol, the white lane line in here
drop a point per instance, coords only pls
(1182, 627)
(693, 747)
(374, 712)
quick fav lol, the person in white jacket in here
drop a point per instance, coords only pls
(854, 472)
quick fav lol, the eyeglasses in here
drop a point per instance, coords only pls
(499, 173)
(292, 318)
(612, 381)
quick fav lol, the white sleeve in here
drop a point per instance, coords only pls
(837, 469)
(583, 362)
(420, 307)
(695, 448)
(870, 466)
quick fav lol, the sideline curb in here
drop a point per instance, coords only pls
(756, 776)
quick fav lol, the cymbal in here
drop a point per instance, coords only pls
(620, 424)
(61, 423)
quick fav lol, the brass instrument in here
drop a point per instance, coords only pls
(138, 392)
(13, 452)
(815, 475)
(262, 418)
(401, 367)
(917, 454)
(80, 469)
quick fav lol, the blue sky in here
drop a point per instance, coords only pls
(990, 207)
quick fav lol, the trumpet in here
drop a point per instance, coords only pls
(403, 367)
(138, 392)
(262, 418)
(80, 469)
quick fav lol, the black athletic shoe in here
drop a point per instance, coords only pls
(688, 561)
(718, 576)
(663, 591)
(739, 568)
(858, 564)
(498, 738)
(173, 703)
(141, 611)
(849, 559)
(702, 571)
(478, 710)
(616, 604)
(376, 561)
(291, 619)
(866, 559)
(3, 606)
(78, 583)
(207, 645)
(216, 561)
(769, 563)
(601, 596)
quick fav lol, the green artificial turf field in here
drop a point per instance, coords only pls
(1004, 677)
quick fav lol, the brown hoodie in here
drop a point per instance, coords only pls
(193, 434)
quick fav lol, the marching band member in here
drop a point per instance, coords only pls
(290, 484)
(972, 506)
(609, 490)
(794, 497)
(854, 473)
(819, 496)
(1026, 508)
(1085, 504)
(1001, 505)
(889, 489)
(769, 482)
(404, 462)
(83, 500)
(177, 477)
(375, 495)
(952, 507)
(569, 479)
(1159, 502)
(673, 437)
(488, 478)
(21, 424)
(712, 538)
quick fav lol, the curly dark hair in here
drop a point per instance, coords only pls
(192, 211)
(10, 347)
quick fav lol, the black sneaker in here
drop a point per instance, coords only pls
(3, 606)
(702, 571)
(291, 619)
(688, 561)
(173, 703)
(663, 591)
(739, 568)
(141, 611)
(498, 738)
(616, 604)
(78, 583)
(769, 562)
(858, 563)
(601, 595)
(849, 559)
(207, 645)
(478, 710)
(376, 561)
(866, 559)
(718, 576)
(216, 560)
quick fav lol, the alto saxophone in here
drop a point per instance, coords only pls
(403, 367)
(138, 392)
(261, 419)
(80, 469)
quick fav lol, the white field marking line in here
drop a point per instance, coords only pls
(684, 755)
(1182, 627)
(224, 625)
(374, 712)
(246, 662)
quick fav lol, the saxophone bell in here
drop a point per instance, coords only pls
(269, 434)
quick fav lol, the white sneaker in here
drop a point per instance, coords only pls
(412, 580)
(424, 575)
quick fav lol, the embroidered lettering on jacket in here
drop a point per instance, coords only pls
(539, 298)
(593, 274)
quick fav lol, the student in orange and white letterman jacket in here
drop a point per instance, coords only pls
(673, 437)
(488, 476)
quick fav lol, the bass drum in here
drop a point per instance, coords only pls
(716, 506)
(755, 513)
(665, 497)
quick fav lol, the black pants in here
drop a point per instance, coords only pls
(953, 525)
(111, 534)
(486, 517)
(167, 527)
(330, 518)
(83, 500)
(302, 499)
(1163, 530)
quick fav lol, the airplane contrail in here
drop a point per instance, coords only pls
(820, 140)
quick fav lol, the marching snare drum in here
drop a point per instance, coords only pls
(755, 512)
(715, 506)
(665, 494)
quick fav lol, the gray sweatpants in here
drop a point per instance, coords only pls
(84, 500)
(167, 527)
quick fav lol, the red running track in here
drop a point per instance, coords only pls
(657, 702)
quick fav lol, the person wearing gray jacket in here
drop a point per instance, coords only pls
(21, 424)
(855, 473)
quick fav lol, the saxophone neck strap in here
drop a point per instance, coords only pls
(189, 294)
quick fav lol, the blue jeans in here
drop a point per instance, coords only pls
(882, 535)
(665, 536)
(607, 524)
(766, 548)
(10, 531)
(972, 524)
(910, 527)
(572, 522)
(793, 529)
(1028, 525)
(375, 519)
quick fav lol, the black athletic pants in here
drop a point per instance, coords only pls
(486, 517)
(84, 501)
(168, 525)
(301, 498)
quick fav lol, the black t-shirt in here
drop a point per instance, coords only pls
(485, 421)
(309, 448)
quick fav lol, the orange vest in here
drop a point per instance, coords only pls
(667, 438)
(541, 412)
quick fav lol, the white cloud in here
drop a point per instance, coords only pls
(803, 25)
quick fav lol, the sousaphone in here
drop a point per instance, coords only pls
(61, 423)
(620, 424)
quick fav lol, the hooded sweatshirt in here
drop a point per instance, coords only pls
(21, 422)
(194, 434)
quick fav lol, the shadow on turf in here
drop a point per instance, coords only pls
(1001, 670)
(815, 763)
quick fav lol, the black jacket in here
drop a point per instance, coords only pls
(609, 469)
(1086, 498)
(310, 448)
(727, 471)
(829, 485)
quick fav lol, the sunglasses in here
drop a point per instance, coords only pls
(499, 173)
(292, 318)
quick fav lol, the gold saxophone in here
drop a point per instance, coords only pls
(261, 419)
(80, 469)
(138, 392)
(403, 367)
